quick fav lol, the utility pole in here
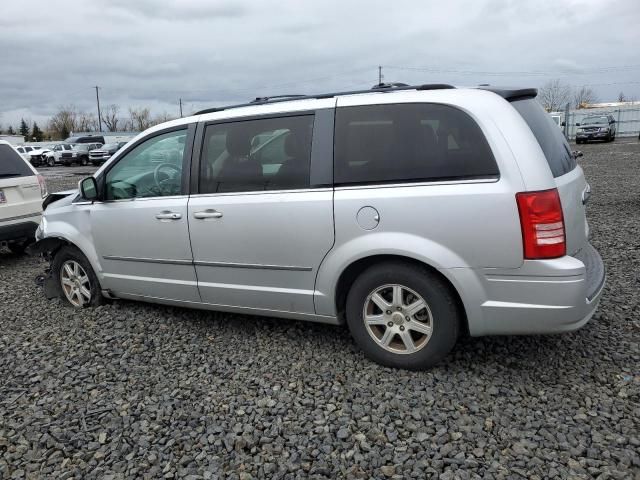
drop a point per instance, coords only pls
(99, 117)
(180, 100)
(380, 75)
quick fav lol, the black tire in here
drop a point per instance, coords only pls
(70, 253)
(51, 161)
(578, 142)
(446, 315)
(84, 161)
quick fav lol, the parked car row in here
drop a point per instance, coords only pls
(75, 150)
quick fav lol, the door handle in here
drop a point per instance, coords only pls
(168, 216)
(208, 213)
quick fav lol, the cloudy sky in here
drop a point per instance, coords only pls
(213, 52)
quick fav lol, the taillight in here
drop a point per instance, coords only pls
(542, 224)
(43, 186)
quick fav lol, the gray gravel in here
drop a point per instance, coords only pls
(131, 390)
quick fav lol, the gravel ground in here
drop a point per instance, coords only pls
(130, 390)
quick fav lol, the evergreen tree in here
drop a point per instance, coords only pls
(11, 131)
(36, 133)
(24, 129)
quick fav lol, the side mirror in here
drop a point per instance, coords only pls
(577, 124)
(563, 124)
(89, 189)
(613, 121)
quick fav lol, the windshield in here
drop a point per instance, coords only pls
(595, 120)
(109, 146)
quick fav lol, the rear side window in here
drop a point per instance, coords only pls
(12, 164)
(549, 136)
(409, 142)
(253, 155)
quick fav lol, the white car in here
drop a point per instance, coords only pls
(21, 194)
(54, 154)
(24, 151)
(37, 155)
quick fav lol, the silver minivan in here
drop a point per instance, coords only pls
(413, 214)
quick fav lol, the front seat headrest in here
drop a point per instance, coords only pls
(238, 142)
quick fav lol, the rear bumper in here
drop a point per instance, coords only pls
(19, 229)
(543, 296)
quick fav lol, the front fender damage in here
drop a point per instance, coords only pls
(47, 248)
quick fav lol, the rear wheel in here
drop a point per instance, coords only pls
(51, 161)
(402, 315)
(76, 279)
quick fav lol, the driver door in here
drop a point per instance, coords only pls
(140, 230)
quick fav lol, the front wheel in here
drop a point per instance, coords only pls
(84, 161)
(51, 161)
(77, 282)
(403, 315)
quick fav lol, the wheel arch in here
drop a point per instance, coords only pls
(354, 269)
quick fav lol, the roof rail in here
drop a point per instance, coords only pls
(380, 88)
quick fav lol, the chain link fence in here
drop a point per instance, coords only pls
(627, 120)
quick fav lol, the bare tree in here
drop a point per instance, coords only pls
(110, 117)
(583, 96)
(87, 122)
(163, 117)
(622, 97)
(63, 122)
(554, 95)
(140, 118)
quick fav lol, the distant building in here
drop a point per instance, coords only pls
(12, 139)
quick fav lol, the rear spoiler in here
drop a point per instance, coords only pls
(511, 94)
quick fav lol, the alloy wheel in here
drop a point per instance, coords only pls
(398, 319)
(75, 283)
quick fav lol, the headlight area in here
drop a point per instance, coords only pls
(42, 228)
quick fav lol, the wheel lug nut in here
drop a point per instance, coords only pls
(388, 312)
(407, 318)
(390, 324)
(398, 308)
(401, 328)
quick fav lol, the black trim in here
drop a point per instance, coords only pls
(18, 231)
(198, 142)
(186, 159)
(321, 167)
(276, 99)
(435, 180)
(511, 94)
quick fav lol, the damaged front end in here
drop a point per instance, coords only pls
(47, 248)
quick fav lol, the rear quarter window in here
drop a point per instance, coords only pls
(548, 134)
(12, 164)
(408, 143)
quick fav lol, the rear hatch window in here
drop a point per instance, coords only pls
(12, 164)
(549, 136)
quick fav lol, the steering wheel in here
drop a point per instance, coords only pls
(160, 182)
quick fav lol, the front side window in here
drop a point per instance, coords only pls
(264, 154)
(409, 142)
(152, 169)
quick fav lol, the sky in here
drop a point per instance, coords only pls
(151, 53)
